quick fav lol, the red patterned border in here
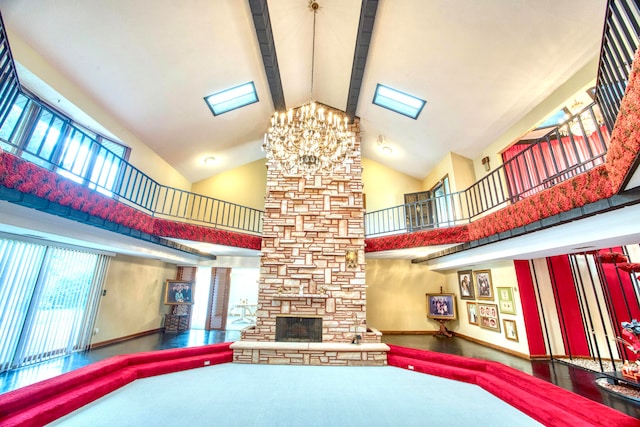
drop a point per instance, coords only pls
(29, 178)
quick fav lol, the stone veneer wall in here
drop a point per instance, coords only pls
(309, 225)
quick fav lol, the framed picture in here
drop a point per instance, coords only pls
(510, 330)
(484, 287)
(488, 316)
(505, 300)
(178, 292)
(472, 313)
(441, 306)
(465, 282)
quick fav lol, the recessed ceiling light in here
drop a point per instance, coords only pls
(232, 98)
(210, 161)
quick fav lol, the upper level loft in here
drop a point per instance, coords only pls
(576, 146)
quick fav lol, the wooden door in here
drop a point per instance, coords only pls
(218, 299)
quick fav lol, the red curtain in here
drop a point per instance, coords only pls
(530, 168)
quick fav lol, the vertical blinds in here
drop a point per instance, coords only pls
(48, 301)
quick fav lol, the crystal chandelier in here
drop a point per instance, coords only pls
(308, 139)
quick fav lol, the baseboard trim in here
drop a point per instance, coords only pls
(409, 332)
(493, 346)
(125, 338)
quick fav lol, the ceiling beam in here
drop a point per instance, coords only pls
(363, 40)
(262, 24)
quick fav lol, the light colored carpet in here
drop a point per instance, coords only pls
(263, 395)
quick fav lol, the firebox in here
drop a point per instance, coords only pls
(298, 329)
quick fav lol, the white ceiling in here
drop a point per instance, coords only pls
(480, 65)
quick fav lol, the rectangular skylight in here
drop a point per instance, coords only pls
(230, 99)
(397, 101)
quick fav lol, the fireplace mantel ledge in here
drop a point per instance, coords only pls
(309, 346)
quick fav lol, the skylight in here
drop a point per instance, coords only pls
(400, 102)
(230, 99)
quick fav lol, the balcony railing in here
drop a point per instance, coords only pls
(575, 146)
(42, 135)
(620, 40)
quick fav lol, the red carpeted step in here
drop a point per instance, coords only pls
(68, 400)
(546, 402)
(50, 399)
(160, 355)
(434, 356)
(25, 397)
(431, 368)
(168, 366)
(538, 408)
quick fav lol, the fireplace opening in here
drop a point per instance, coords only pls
(298, 329)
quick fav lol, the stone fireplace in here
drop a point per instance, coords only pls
(312, 226)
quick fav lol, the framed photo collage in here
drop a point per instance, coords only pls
(477, 288)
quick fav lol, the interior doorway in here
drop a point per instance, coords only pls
(201, 297)
(225, 299)
(243, 298)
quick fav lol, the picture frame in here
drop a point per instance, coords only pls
(488, 316)
(441, 306)
(178, 292)
(510, 329)
(484, 285)
(465, 283)
(472, 313)
(505, 300)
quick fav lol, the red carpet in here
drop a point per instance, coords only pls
(51, 399)
(543, 401)
(48, 400)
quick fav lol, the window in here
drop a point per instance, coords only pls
(42, 135)
(400, 102)
(48, 299)
(555, 119)
(231, 99)
(443, 204)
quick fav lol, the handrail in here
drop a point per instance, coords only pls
(620, 39)
(137, 189)
(559, 153)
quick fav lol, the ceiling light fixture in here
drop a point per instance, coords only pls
(309, 139)
(210, 160)
(383, 146)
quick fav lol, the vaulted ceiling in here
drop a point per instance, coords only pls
(480, 65)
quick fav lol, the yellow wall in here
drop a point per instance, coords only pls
(503, 274)
(134, 299)
(245, 185)
(385, 187)
(443, 168)
(396, 298)
(457, 167)
(141, 156)
(463, 174)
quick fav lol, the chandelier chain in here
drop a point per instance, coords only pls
(314, 7)
(309, 139)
